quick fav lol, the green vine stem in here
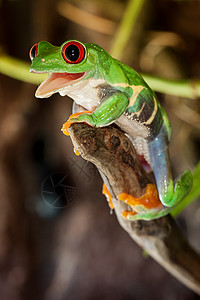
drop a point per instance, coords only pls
(125, 28)
(189, 88)
(180, 88)
(19, 70)
(193, 194)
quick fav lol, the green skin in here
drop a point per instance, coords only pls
(116, 94)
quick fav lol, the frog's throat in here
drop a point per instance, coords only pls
(56, 82)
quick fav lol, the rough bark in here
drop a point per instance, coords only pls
(114, 155)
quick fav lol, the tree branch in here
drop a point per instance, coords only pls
(114, 155)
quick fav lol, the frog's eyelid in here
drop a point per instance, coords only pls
(33, 51)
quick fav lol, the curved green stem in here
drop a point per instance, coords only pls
(126, 27)
(18, 69)
(193, 194)
(183, 88)
(189, 88)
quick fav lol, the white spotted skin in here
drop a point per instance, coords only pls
(84, 93)
(137, 133)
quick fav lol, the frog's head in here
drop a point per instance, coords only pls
(68, 64)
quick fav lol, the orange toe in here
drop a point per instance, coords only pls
(149, 200)
(67, 124)
(76, 152)
(127, 213)
(65, 127)
(106, 192)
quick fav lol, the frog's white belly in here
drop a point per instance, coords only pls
(84, 93)
(137, 133)
(141, 147)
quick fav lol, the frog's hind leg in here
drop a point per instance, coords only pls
(169, 193)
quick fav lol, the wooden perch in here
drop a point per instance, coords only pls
(114, 155)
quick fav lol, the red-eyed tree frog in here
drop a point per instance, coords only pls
(112, 92)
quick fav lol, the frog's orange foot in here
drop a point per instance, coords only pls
(70, 121)
(149, 200)
(106, 192)
(127, 213)
(76, 152)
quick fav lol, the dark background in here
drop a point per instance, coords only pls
(71, 247)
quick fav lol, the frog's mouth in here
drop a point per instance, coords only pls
(57, 82)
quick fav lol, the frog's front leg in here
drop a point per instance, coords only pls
(106, 113)
(169, 193)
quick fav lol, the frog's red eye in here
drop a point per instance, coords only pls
(73, 52)
(33, 51)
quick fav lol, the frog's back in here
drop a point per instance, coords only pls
(143, 115)
(144, 111)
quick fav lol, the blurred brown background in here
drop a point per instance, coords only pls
(72, 248)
